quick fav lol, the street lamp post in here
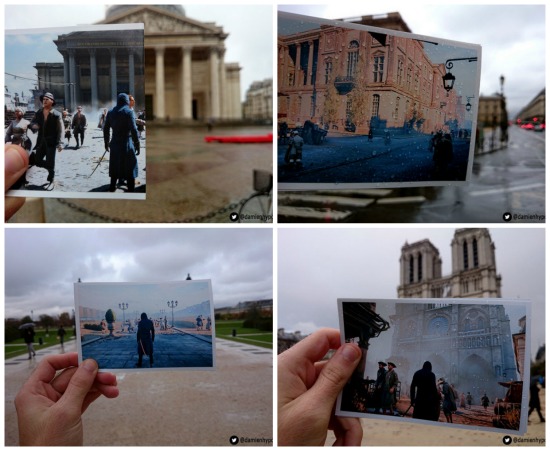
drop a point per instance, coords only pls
(172, 305)
(449, 78)
(122, 306)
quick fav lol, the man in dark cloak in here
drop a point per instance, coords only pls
(123, 145)
(424, 394)
(145, 339)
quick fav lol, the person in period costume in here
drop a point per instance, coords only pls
(390, 388)
(449, 399)
(79, 126)
(124, 143)
(145, 339)
(424, 395)
(49, 125)
(16, 133)
(379, 386)
(67, 122)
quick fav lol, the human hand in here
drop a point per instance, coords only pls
(49, 405)
(59, 148)
(136, 145)
(308, 389)
(16, 162)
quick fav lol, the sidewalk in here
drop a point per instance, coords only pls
(172, 408)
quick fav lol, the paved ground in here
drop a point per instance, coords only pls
(183, 408)
(74, 168)
(380, 432)
(169, 351)
(188, 180)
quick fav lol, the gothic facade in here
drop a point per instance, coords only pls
(464, 342)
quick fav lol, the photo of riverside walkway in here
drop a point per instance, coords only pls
(348, 158)
(173, 347)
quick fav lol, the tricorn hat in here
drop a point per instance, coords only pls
(48, 95)
(392, 364)
(381, 363)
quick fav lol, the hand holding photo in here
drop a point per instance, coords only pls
(459, 362)
(146, 325)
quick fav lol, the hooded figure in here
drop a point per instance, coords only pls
(424, 394)
(124, 144)
(145, 338)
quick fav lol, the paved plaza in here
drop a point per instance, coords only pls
(172, 408)
(169, 351)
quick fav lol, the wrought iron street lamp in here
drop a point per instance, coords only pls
(123, 307)
(449, 78)
(172, 305)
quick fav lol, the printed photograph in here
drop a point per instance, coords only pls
(365, 107)
(461, 363)
(146, 325)
(74, 100)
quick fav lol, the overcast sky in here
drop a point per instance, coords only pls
(43, 264)
(512, 37)
(318, 266)
(250, 29)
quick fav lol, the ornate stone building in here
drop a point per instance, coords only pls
(464, 342)
(258, 105)
(340, 76)
(186, 76)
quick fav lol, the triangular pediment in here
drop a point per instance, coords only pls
(159, 21)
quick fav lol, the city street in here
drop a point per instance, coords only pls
(353, 159)
(507, 184)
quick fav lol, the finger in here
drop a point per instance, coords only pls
(79, 386)
(16, 163)
(334, 376)
(48, 367)
(312, 348)
(12, 206)
(348, 431)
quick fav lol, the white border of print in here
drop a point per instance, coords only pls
(177, 285)
(78, 194)
(464, 301)
(341, 184)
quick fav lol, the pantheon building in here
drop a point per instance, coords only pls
(182, 73)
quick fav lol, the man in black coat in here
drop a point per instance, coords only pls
(79, 126)
(424, 394)
(49, 125)
(145, 339)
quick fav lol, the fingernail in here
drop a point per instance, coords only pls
(351, 352)
(89, 365)
(13, 161)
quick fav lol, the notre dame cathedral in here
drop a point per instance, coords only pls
(464, 342)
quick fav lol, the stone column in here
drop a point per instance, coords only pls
(131, 73)
(298, 66)
(186, 84)
(159, 83)
(72, 80)
(284, 63)
(223, 91)
(309, 72)
(93, 79)
(214, 84)
(66, 86)
(113, 75)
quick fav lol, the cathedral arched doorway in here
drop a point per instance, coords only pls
(476, 375)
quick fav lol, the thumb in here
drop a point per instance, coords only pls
(335, 374)
(79, 385)
(16, 162)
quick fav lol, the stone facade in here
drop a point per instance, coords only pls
(186, 76)
(464, 342)
(259, 101)
(338, 76)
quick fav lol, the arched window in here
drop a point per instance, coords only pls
(411, 269)
(419, 264)
(353, 57)
(465, 254)
(474, 248)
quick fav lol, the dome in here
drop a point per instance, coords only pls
(115, 10)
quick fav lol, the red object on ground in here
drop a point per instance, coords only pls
(241, 139)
